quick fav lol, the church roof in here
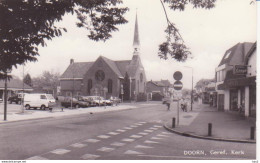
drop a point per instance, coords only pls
(15, 84)
(76, 70)
(113, 66)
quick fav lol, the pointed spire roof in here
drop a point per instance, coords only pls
(136, 42)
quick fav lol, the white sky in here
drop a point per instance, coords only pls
(208, 34)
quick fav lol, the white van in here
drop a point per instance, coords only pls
(41, 101)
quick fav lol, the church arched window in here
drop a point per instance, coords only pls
(109, 85)
(89, 85)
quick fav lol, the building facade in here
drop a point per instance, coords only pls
(156, 90)
(236, 80)
(105, 77)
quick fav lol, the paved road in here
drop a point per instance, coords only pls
(127, 134)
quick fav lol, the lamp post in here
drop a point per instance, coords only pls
(5, 94)
(191, 96)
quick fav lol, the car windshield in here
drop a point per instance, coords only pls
(50, 97)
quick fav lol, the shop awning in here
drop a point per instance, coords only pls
(240, 82)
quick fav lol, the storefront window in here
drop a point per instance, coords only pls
(233, 100)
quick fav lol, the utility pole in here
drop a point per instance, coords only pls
(5, 97)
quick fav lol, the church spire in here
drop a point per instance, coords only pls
(136, 43)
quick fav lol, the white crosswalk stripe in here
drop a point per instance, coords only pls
(36, 158)
(60, 151)
(143, 133)
(89, 157)
(162, 135)
(103, 136)
(150, 142)
(142, 146)
(113, 133)
(143, 122)
(167, 133)
(118, 144)
(136, 136)
(157, 126)
(78, 145)
(119, 130)
(128, 140)
(155, 138)
(148, 130)
(130, 152)
(106, 149)
(128, 128)
(92, 140)
(152, 128)
(134, 126)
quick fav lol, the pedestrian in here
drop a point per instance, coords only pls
(168, 103)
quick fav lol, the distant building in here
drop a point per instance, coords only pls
(236, 79)
(156, 90)
(14, 86)
(105, 77)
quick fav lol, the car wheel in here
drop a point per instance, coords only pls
(77, 106)
(27, 107)
(43, 107)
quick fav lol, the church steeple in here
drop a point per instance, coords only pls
(136, 43)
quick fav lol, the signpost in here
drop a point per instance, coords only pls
(177, 85)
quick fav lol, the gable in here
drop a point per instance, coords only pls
(76, 70)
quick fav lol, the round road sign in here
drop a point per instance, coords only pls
(177, 75)
(177, 85)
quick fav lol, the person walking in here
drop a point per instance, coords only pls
(168, 103)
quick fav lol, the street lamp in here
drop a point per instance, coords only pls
(191, 96)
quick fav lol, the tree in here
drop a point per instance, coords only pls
(27, 80)
(202, 83)
(26, 24)
(49, 80)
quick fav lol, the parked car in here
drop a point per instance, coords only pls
(68, 102)
(17, 98)
(115, 100)
(90, 100)
(41, 101)
(98, 100)
(105, 101)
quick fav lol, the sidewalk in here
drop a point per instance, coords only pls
(226, 126)
(14, 111)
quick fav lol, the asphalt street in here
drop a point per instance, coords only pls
(127, 134)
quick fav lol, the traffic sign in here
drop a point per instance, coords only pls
(177, 75)
(177, 85)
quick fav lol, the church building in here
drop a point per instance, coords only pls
(106, 77)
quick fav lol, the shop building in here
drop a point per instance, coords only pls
(236, 80)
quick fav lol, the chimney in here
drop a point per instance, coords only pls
(71, 61)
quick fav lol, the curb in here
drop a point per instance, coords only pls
(204, 137)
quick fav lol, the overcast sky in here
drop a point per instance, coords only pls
(208, 34)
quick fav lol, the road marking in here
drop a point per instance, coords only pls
(155, 138)
(150, 142)
(103, 136)
(118, 144)
(139, 124)
(134, 126)
(128, 140)
(60, 151)
(167, 133)
(89, 157)
(143, 133)
(92, 140)
(148, 130)
(106, 149)
(157, 126)
(136, 136)
(143, 122)
(113, 133)
(128, 128)
(78, 145)
(142, 146)
(130, 152)
(36, 158)
(162, 135)
(119, 130)
(152, 128)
